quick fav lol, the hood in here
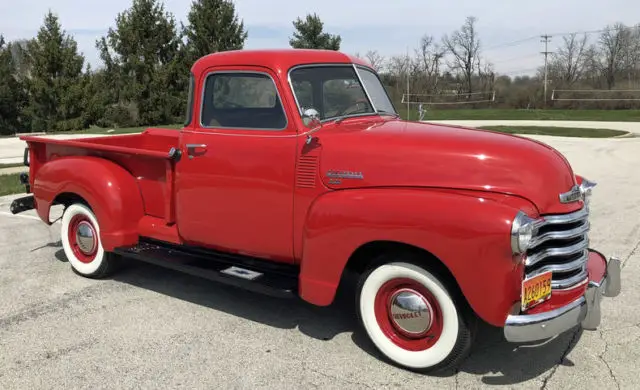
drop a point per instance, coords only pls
(360, 153)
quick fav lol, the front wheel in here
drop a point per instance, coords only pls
(412, 318)
(80, 235)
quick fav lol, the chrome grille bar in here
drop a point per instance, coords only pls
(560, 235)
(559, 251)
(559, 245)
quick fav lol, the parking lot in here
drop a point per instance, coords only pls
(152, 328)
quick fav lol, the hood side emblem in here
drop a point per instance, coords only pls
(345, 175)
(336, 176)
(573, 195)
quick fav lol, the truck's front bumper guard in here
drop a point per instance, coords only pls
(584, 311)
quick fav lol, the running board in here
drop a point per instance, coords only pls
(244, 272)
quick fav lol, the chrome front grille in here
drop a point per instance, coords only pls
(560, 245)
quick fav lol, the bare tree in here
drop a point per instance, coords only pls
(375, 59)
(569, 62)
(612, 46)
(630, 52)
(428, 58)
(398, 67)
(464, 46)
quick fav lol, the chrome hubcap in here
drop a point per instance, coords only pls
(410, 312)
(86, 238)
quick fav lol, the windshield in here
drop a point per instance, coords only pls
(336, 91)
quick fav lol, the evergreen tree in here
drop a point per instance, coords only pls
(55, 82)
(139, 55)
(12, 94)
(213, 26)
(309, 35)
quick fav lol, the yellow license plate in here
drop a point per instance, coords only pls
(536, 290)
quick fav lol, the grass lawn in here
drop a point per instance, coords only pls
(10, 184)
(511, 114)
(557, 131)
(12, 165)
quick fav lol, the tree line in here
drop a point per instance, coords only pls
(46, 84)
(586, 72)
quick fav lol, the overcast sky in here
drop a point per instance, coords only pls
(388, 26)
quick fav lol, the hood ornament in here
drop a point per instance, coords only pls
(573, 195)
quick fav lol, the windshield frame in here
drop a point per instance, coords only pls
(362, 84)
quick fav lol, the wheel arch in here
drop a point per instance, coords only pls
(374, 253)
(107, 188)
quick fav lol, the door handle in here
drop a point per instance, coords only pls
(192, 149)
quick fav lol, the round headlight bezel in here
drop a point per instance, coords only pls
(522, 231)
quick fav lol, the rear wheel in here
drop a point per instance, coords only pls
(412, 317)
(80, 235)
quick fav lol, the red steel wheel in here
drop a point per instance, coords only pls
(408, 314)
(80, 235)
(83, 238)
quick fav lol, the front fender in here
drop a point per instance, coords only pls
(468, 231)
(110, 190)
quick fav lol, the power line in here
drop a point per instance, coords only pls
(519, 58)
(524, 40)
(509, 44)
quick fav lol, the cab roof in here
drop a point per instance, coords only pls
(279, 60)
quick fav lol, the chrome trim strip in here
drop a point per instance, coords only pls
(364, 88)
(365, 68)
(560, 235)
(204, 88)
(561, 251)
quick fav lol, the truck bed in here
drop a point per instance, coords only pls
(145, 155)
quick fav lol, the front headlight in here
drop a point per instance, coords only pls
(586, 188)
(522, 230)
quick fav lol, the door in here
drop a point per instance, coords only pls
(235, 179)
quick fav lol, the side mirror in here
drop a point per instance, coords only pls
(311, 118)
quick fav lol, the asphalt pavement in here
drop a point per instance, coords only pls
(147, 327)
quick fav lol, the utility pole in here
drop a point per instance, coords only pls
(408, 85)
(545, 39)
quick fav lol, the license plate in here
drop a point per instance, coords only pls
(536, 290)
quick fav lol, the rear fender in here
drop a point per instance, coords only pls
(109, 189)
(468, 231)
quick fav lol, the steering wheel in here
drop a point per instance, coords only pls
(358, 103)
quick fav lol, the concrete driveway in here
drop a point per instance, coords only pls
(148, 327)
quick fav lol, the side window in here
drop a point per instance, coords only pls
(242, 101)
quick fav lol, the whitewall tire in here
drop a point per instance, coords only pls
(412, 318)
(80, 236)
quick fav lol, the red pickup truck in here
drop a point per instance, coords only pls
(294, 167)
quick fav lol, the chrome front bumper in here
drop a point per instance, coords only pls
(584, 311)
